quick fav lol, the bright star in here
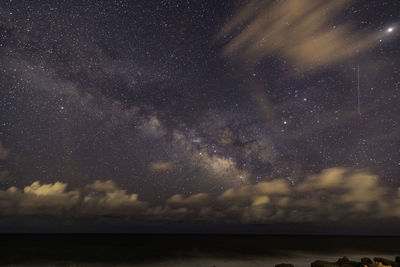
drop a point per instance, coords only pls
(390, 29)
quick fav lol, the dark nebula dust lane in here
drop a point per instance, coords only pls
(213, 111)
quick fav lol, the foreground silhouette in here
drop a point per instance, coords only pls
(345, 262)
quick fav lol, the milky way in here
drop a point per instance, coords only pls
(171, 106)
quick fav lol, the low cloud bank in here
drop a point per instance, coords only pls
(332, 195)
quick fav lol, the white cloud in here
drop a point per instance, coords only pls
(194, 200)
(45, 190)
(260, 200)
(329, 178)
(98, 199)
(47, 199)
(332, 195)
(275, 187)
(161, 166)
(355, 189)
(100, 186)
(152, 126)
(106, 199)
(298, 30)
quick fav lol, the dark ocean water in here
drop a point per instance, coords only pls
(187, 250)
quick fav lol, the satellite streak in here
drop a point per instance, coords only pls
(358, 90)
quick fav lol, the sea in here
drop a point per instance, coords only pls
(188, 249)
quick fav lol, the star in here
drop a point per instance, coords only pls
(153, 111)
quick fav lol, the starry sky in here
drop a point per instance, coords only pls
(228, 112)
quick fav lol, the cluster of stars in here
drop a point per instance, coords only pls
(109, 88)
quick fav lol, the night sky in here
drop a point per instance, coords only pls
(227, 112)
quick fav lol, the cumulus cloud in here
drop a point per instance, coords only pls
(199, 199)
(251, 192)
(161, 166)
(197, 207)
(152, 126)
(357, 190)
(299, 30)
(45, 190)
(104, 187)
(97, 199)
(327, 179)
(392, 209)
(107, 199)
(47, 199)
(261, 202)
(332, 195)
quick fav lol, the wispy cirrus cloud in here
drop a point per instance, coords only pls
(298, 30)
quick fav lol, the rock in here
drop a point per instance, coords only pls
(355, 263)
(386, 262)
(345, 262)
(366, 261)
(284, 265)
(342, 261)
(319, 263)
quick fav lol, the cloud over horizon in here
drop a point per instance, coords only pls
(346, 194)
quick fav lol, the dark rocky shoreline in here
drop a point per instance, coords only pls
(346, 262)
